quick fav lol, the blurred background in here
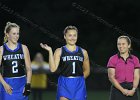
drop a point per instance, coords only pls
(44, 21)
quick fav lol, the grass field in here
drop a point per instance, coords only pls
(92, 95)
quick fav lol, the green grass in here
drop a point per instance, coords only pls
(92, 95)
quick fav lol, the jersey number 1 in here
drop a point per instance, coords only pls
(14, 67)
(73, 68)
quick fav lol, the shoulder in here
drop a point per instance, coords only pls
(84, 51)
(112, 61)
(25, 48)
(134, 57)
(58, 51)
(114, 57)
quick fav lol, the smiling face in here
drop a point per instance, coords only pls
(11, 32)
(71, 36)
(13, 35)
(123, 45)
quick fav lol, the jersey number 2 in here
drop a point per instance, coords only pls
(14, 67)
(73, 68)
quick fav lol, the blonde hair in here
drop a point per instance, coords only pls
(7, 29)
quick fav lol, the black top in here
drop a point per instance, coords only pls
(71, 63)
(13, 63)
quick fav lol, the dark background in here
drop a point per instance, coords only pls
(44, 21)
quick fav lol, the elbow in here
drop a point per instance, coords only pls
(29, 69)
(110, 78)
(52, 70)
(137, 78)
(88, 73)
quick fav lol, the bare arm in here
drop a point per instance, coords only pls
(1, 78)
(136, 78)
(86, 65)
(27, 63)
(53, 59)
(57, 54)
(7, 87)
(135, 83)
(111, 75)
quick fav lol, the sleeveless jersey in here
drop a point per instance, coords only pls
(71, 63)
(13, 64)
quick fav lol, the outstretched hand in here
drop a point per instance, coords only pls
(46, 47)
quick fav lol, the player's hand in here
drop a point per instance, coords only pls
(27, 89)
(131, 92)
(46, 47)
(125, 92)
(8, 88)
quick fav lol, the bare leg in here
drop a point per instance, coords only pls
(63, 98)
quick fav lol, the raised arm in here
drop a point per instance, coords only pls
(53, 59)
